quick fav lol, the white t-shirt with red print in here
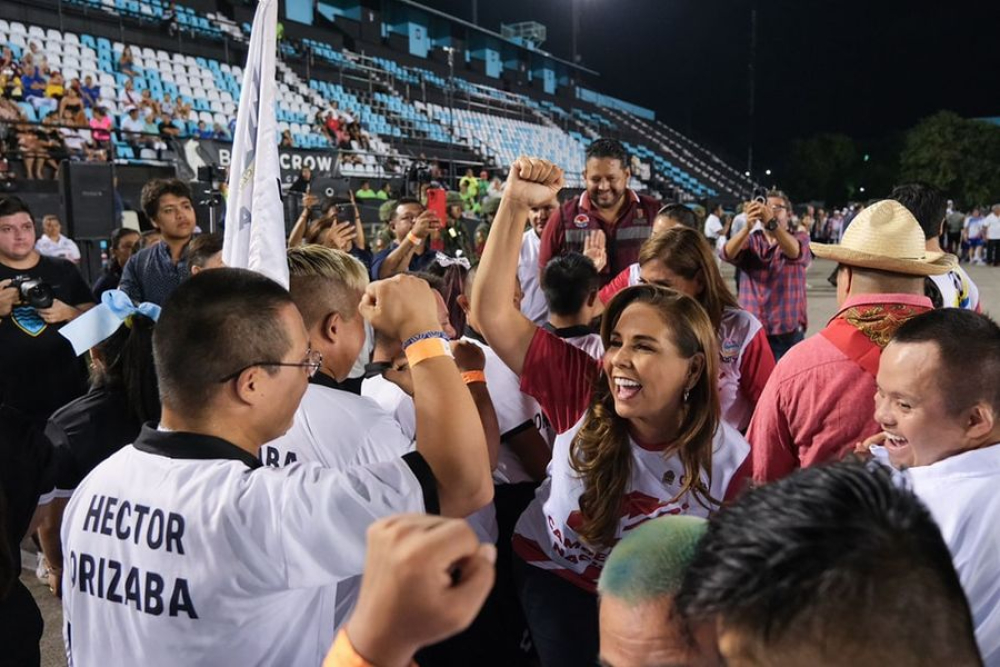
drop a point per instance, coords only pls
(561, 377)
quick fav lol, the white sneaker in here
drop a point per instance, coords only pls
(41, 571)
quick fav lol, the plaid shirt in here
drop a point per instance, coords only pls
(772, 286)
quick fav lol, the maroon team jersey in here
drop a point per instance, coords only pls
(569, 226)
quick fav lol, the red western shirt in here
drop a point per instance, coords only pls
(819, 402)
(569, 226)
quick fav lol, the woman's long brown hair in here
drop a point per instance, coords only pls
(601, 452)
(686, 252)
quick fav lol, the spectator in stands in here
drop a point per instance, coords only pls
(470, 202)
(167, 105)
(220, 133)
(47, 371)
(835, 565)
(286, 139)
(938, 397)
(51, 138)
(570, 283)
(90, 92)
(10, 69)
(53, 244)
(126, 63)
(155, 272)
(204, 253)
(100, 130)
(128, 96)
(772, 260)
(657, 384)
(203, 130)
(168, 22)
(32, 152)
(608, 205)
(183, 110)
(410, 225)
(151, 134)
(882, 262)
(124, 242)
(639, 622)
(133, 126)
(365, 191)
(302, 182)
(72, 103)
(34, 84)
(385, 192)
(954, 289)
(75, 135)
(167, 130)
(148, 107)
(471, 183)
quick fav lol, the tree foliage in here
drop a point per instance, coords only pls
(962, 157)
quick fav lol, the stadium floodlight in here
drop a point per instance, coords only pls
(767, 172)
(747, 174)
(861, 189)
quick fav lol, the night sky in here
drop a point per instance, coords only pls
(868, 69)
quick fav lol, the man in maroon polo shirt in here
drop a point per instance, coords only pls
(608, 206)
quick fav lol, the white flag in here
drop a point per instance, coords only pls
(255, 218)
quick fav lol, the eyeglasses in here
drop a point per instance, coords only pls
(780, 207)
(312, 362)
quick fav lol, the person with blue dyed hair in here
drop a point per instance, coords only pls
(639, 626)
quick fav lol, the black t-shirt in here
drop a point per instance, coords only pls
(26, 473)
(87, 431)
(38, 367)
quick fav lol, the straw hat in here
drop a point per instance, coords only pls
(886, 236)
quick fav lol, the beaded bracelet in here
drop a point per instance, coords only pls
(424, 336)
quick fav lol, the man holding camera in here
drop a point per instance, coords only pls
(772, 259)
(38, 295)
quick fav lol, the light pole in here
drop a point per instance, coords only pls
(576, 30)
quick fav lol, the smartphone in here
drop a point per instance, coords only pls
(345, 213)
(437, 201)
(760, 195)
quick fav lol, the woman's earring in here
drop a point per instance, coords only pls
(687, 392)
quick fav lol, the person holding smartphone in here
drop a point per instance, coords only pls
(772, 261)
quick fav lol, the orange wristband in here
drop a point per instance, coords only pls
(426, 349)
(414, 239)
(473, 376)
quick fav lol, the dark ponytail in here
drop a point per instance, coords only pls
(127, 364)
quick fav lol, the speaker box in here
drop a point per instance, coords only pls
(88, 193)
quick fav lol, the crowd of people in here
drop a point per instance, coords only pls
(573, 443)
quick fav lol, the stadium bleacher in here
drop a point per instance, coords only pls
(403, 109)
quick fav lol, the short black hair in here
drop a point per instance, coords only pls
(969, 346)
(927, 204)
(610, 149)
(680, 213)
(568, 281)
(156, 188)
(11, 205)
(832, 565)
(194, 342)
(202, 247)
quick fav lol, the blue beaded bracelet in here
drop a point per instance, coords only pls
(424, 336)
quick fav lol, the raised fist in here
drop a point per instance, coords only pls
(533, 182)
(400, 307)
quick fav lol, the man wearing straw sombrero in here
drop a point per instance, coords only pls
(818, 401)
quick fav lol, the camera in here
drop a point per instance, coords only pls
(33, 292)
